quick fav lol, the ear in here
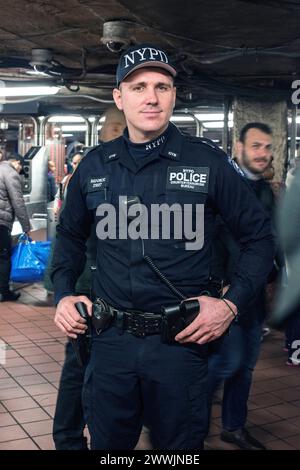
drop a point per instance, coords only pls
(239, 149)
(174, 97)
(117, 96)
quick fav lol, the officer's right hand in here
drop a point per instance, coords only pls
(213, 320)
(67, 318)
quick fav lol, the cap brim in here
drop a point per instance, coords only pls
(152, 63)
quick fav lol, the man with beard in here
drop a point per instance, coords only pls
(234, 361)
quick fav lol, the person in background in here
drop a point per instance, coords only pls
(234, 361)
(114, 124)
(62, 190)
(69, 422)
(293, 168)
(51, 185)
(73, 147)
(287, 309)
(11, 204)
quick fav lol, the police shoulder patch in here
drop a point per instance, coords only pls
(188, 178)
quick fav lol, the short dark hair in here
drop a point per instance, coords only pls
(15, 158)
(254, 125)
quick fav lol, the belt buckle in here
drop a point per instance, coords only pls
(137, 324)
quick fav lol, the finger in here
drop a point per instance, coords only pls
(200, 332)
(70, 330)
(70, 310)
(190, 329)
(60, 325)
(206, 339)
(74, 320)
(75, 325)
(193, 338)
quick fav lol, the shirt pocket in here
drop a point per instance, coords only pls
(94, 199)
(181, 215)
(183, 197)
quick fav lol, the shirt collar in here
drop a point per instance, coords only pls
(250, 175)
(171, 149)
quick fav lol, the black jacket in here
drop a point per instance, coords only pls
(185, 171)
(228, 251)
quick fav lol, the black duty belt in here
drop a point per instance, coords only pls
(139, 323)
(172, 320)
(136, 322)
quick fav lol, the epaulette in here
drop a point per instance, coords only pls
(211, 144)
(203, 140)
(96, 147)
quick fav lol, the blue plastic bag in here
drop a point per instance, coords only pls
(29, 260)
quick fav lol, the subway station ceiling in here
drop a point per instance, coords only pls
(221, 48)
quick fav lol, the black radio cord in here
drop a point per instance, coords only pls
(133, 200)
(163, 278)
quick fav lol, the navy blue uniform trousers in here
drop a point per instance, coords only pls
(69, 423)
(130, 379)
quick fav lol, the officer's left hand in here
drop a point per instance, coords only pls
(213, 320)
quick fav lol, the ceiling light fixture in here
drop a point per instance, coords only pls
(216, 124)
(182, 119)
(117, 34)
(3, 125)
(212, 116)
(66, 119)
(74, 128)
(28, 91)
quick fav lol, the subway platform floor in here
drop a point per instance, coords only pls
(32, 353)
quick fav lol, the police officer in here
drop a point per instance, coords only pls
(235, 359)
(68, 421)
(131, 372)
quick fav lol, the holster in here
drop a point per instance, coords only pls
(177, 317)
(81, 344)
(82, 349)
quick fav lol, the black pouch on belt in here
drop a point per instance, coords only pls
(177, 317)
(102, 315)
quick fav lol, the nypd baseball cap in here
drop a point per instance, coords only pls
(143, 55)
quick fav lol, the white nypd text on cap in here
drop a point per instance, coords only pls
(144, 54)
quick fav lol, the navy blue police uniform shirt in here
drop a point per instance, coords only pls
(123, 278)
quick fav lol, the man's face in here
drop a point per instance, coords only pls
(51, 166)
(17, 165)
(112, 131)
(147, 98)
(256, 151)
(75, 160)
